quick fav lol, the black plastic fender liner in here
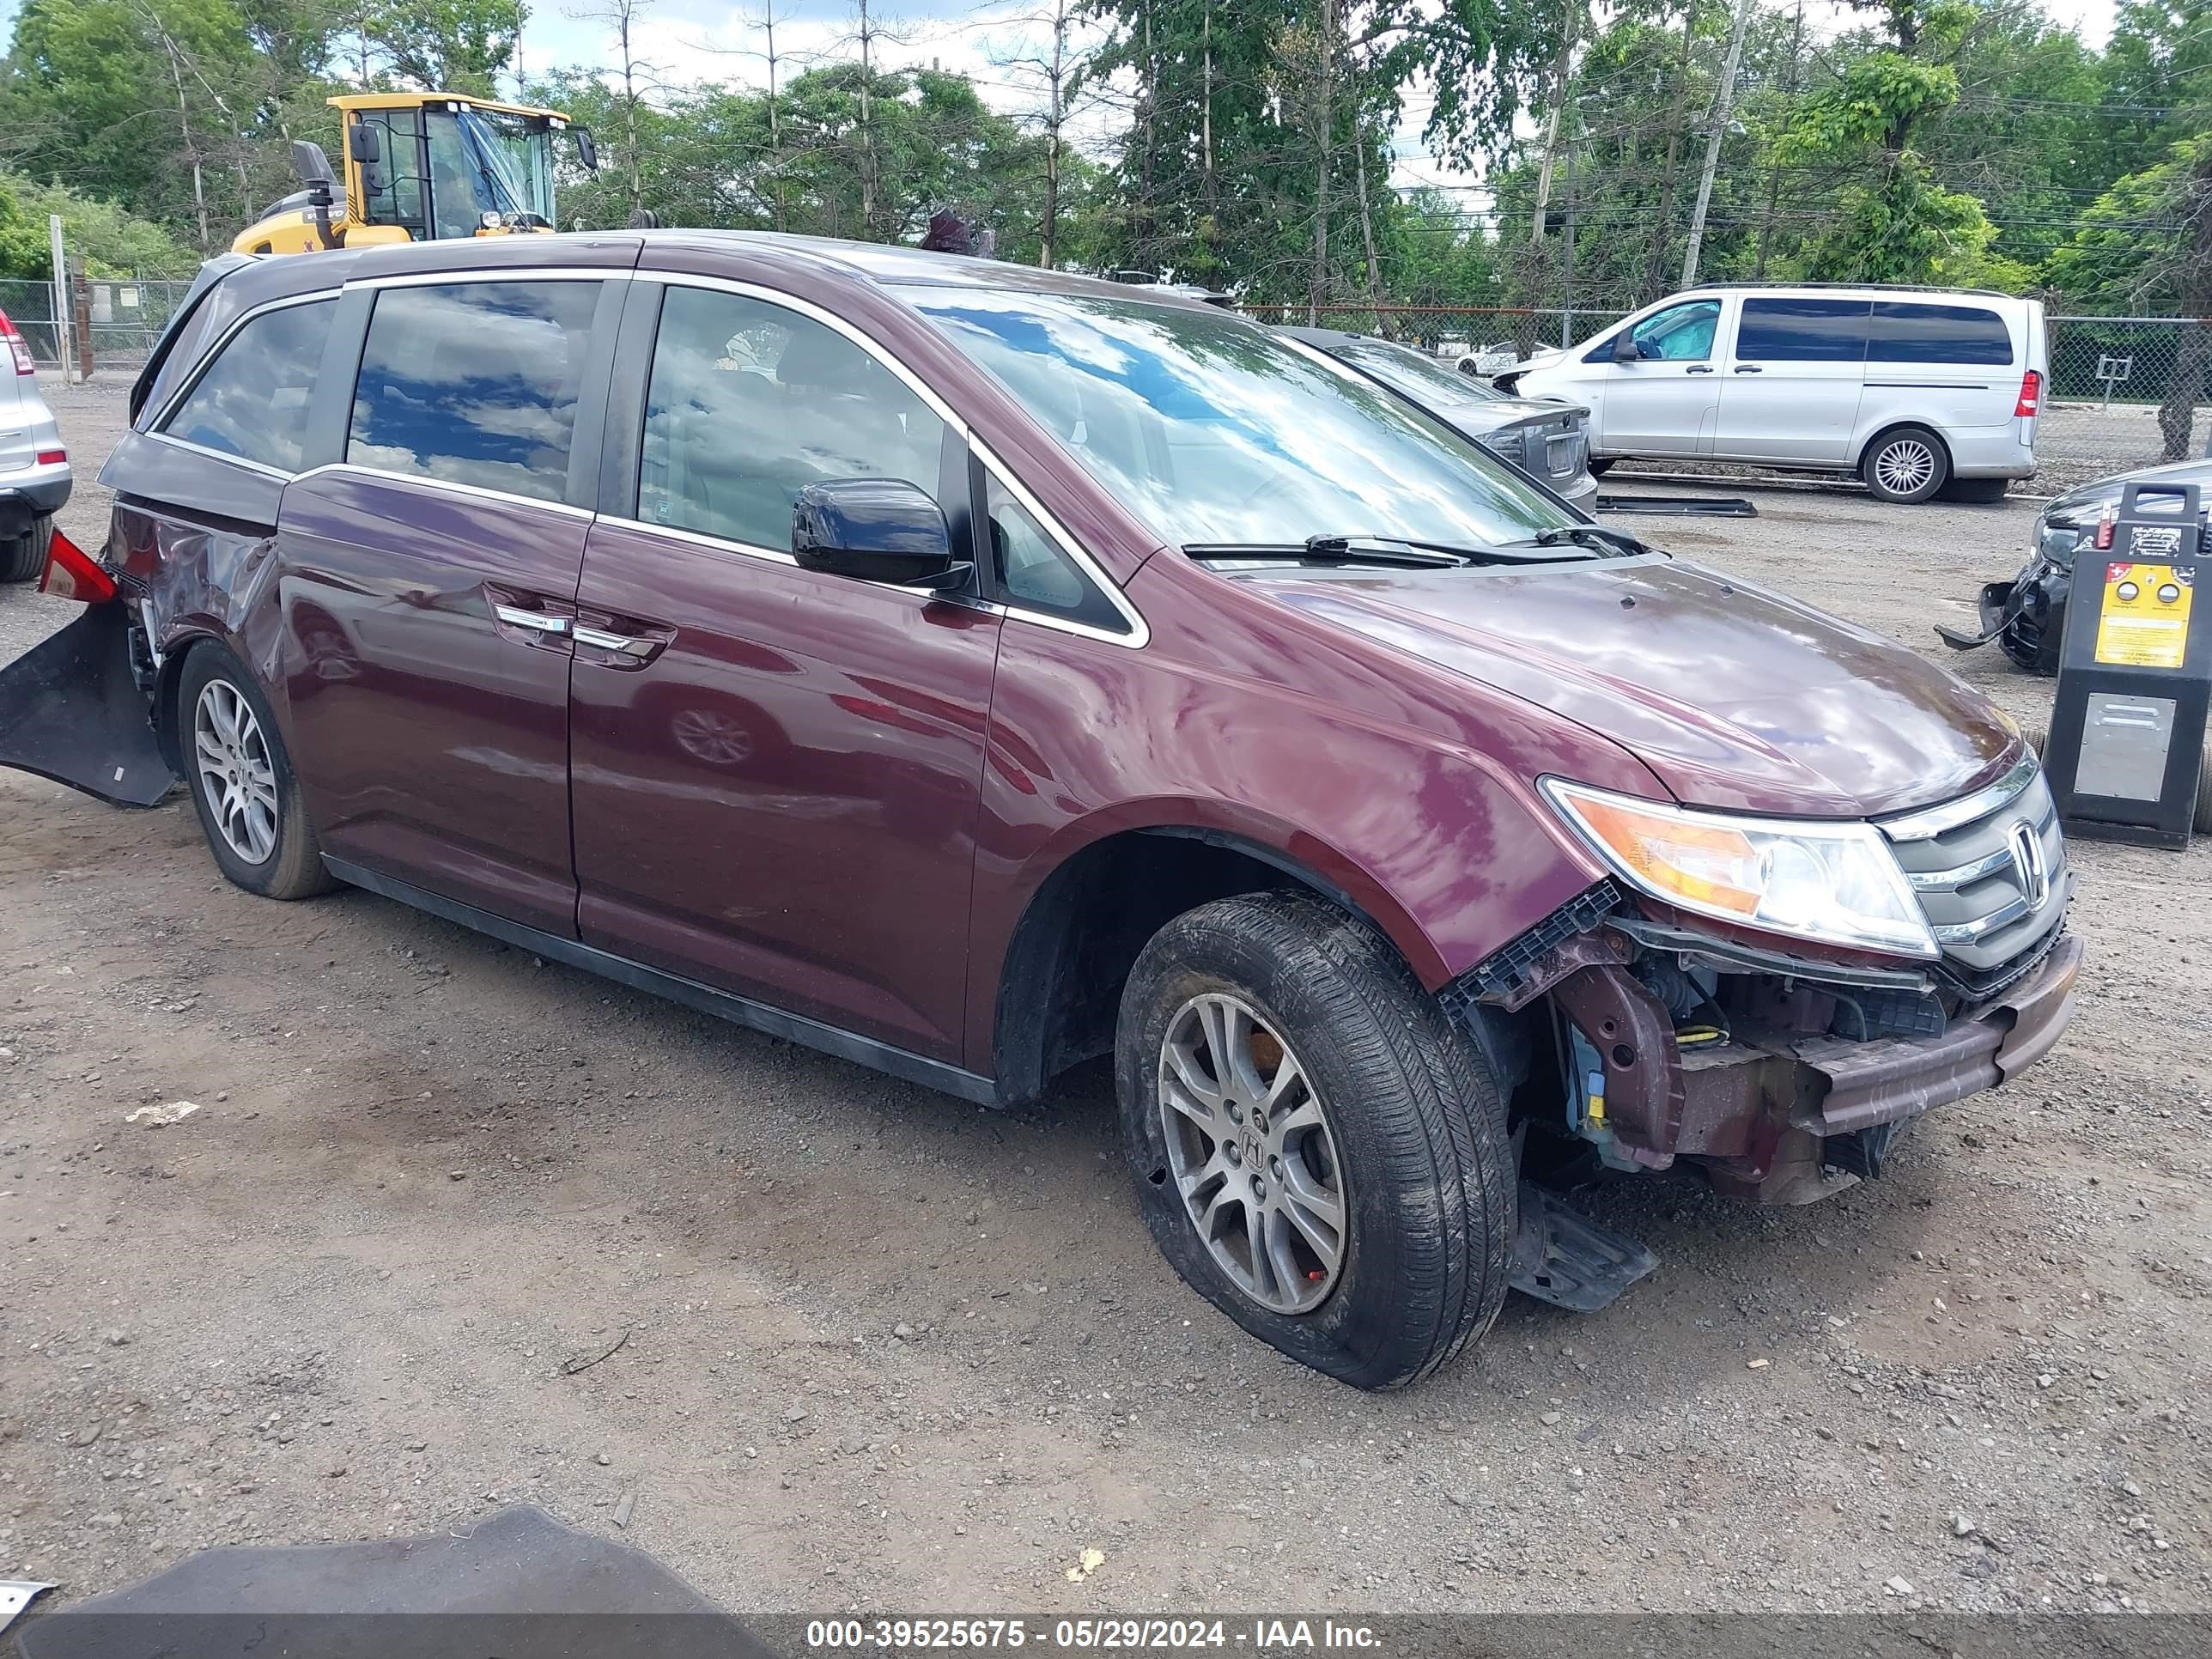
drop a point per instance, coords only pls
(70, 710)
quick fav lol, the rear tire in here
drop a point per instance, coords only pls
(241, 780)
(23, 558)
(1392, 1124)
(1599, 468)
(1906, 465)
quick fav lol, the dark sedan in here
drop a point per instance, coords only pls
(1547, 441)
(2027, 616)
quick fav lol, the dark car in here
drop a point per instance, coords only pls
(973, 671)
(2027, 616)
(1547, 439)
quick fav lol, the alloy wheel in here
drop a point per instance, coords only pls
(1250, 1150)
(1905, 467)
(236, 774)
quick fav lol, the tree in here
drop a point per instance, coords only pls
(623, 17)
(446, 46)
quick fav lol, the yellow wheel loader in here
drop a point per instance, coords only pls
(421, 167)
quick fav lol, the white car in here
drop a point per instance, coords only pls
(1916, 389)
(34, 468)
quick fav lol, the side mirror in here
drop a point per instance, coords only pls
(1625, 348)
(587, 150)
(313, 165)
(363, 144)
(874, 530)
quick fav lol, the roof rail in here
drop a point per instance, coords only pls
(1888, 287)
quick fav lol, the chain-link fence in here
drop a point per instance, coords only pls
(122, 316)
(2125, 391)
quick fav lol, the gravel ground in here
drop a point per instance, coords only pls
(871, 1347)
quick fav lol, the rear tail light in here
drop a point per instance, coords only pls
(72, 574)
(51, 456)
(19, 347)
(2104, 528)
(2031, 392)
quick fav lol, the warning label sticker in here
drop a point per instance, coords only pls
(2144, 622)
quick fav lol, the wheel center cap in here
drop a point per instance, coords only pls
(1254, 1153)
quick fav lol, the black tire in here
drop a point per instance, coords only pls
(293, 867)
(1894, 448)
(1424, 1156)
(1599, 466)
(23, 558)
(2201, 823)
(1976, 492)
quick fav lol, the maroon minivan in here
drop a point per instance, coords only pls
(972, 671)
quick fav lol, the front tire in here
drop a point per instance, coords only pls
(23, 558)
(1599, 466)
(1906, 465)
(1316, 1150)
(241, 780)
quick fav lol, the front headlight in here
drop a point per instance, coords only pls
(1836, 884)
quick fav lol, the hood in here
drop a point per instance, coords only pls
(1735, 697)
(2081, 507)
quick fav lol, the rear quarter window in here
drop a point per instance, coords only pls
(1908, 332)
(251, 399)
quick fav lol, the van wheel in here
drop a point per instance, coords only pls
(23, 558)
(242, 781)
(1599, 468)
(1976, 492)
(1316, 1150)
(1907, 465)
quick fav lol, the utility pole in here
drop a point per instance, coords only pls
(1723, 102)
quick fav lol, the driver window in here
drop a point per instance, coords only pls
(1681, 333)
(749, 403)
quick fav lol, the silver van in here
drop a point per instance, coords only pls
(1918, 391)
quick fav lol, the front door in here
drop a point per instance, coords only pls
(427, 586)
(1662, 402)
(776, 772)
(1795, 378)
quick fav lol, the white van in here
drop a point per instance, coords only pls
(1916, 389)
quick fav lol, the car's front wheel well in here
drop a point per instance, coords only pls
(1060, 987)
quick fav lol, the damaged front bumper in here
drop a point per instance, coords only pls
(1791, 1079)
(2026, 615)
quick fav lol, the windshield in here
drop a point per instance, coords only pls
(486, 162)
(1406, 370)
(1214, 431)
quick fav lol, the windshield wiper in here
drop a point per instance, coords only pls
(1594, 537)
(1342, 550)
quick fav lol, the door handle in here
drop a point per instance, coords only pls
(537, 620)
(1749, 368)
(1698, 369)
(628, 645)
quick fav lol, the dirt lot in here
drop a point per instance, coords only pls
(886, 1351)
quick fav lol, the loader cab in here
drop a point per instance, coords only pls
(427, 167)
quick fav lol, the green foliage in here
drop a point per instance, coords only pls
(2134, 250)
(22, 238)
(446, 46)
(110, 241)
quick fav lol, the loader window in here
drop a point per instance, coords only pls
(252, 401)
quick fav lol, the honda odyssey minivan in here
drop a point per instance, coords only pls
(972, 672)
(1918, 391)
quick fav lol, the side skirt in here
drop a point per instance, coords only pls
(740, 1010)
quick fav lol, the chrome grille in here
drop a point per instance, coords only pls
(1989, 872)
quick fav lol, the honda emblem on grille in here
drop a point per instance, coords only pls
(2029, 863)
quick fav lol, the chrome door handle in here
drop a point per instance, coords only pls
(628, 644)
(1697, 368)
(536, 620)
(1749, 368)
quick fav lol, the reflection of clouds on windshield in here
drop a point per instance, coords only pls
(474, 383)
(1215, 431)
(253, 400)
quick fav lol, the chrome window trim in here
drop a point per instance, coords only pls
(494, 274)
(249, 463)
(702, 539)
(1139, 632)
(176, 399)
(479, 491)
(1930, 821)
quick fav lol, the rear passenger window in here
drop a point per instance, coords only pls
(252, 400)
(1802, 331)
(749, 403)
(474, 383)
(1907, 333)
